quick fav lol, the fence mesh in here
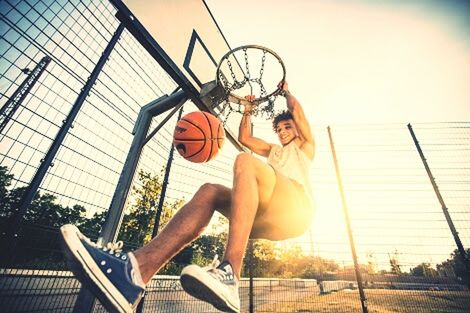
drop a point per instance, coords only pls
(407, 255)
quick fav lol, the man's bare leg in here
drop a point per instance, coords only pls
(253, 185)
(186, 225)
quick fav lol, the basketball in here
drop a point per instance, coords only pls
(198, 136)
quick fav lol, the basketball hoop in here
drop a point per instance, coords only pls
(247, 70)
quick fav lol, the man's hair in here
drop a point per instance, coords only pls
(283, 116)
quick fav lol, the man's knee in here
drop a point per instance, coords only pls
(208, 189)
(214, 195)
(243, 161)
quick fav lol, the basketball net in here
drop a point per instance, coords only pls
(248, 70)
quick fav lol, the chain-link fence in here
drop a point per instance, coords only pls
(72, 84)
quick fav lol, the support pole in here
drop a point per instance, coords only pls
(348, 226)
(250, 273)
(115, 212)
(161, 199)
(109, 233)
(250, 260)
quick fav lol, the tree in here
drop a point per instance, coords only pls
(394, 263)
(37, 244)
(138, 223)
(92, 227)
(44, 216)
(290, 258)
(265, 259)
(424, 269)
(5, 182)
(43, 209)
(371, 263)
(315, 267)
(457, 266)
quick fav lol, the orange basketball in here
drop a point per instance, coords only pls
(198, 136)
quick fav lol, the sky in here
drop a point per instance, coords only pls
(362, 61)
(367, 62)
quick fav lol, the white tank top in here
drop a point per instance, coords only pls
(292, 162)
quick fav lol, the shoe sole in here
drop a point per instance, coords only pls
(89, 274)
(196, 288)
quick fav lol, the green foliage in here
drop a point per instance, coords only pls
(207, 246)
(201, 260)
(38, 241)
(5, 182)
(271, 261)
(43, 209)
(315, 267)
(265, 260)
(138, 223)
(45, 216)
(455, 266)
(424, 269)
(92, 227)
(394, 263)
(371, 263)
(171, 268)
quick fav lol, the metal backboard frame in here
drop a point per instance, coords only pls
(183, 37)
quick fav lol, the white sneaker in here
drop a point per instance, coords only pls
(215, 284)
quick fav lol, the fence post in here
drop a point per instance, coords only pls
(348, 226)
(250, 261)
(445, 210)
(250, 274)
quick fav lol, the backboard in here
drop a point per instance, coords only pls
(182, 35)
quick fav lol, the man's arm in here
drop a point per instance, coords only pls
(301, 122)
(256, 145)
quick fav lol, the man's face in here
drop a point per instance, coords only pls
(286, 131)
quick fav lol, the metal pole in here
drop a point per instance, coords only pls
(250, 273)
(114, 216)
(445, 210)
(85, 299)
(348, 226)
(161, 199)
(250, 260)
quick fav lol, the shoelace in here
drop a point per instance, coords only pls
(112, 247)
(213, 266)
(217, 272)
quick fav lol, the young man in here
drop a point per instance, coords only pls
(268, 200)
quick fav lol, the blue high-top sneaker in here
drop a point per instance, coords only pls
(215, 284)
(105, 271)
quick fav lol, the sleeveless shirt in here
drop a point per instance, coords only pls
(293, 163)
